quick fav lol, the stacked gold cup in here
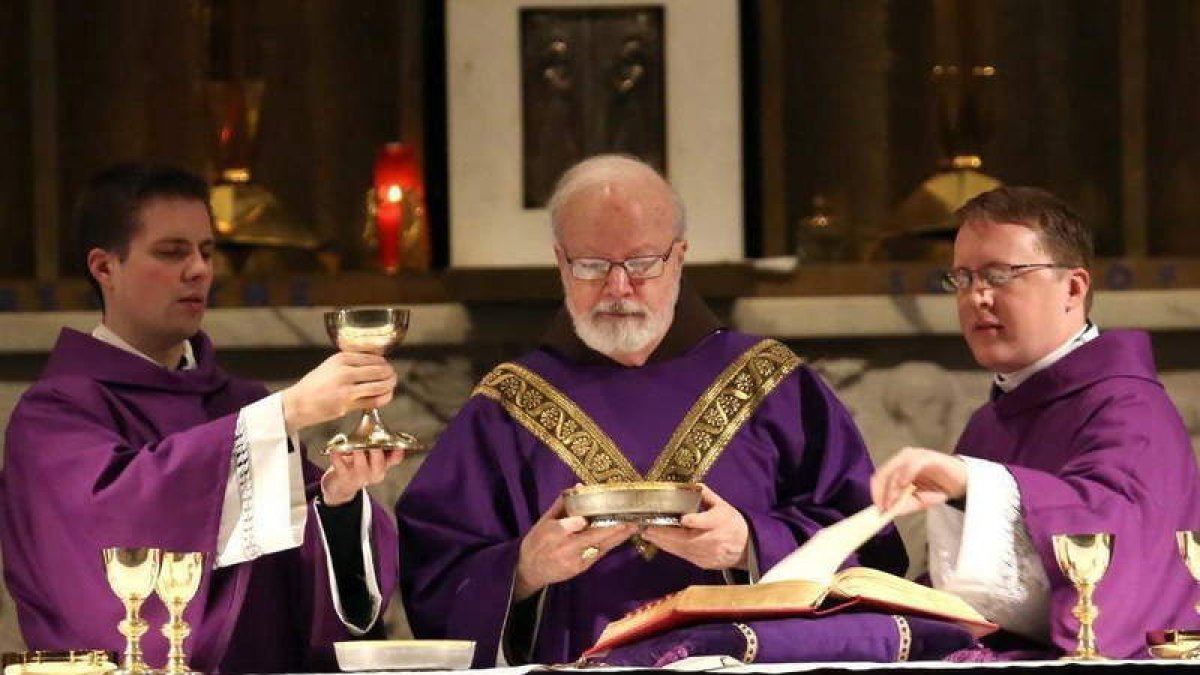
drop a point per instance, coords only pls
(1084, 559)
(135, 573)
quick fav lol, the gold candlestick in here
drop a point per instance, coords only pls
(1084, 559)
(131, 573)
(177, 583)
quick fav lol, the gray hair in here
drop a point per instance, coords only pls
(600, 169)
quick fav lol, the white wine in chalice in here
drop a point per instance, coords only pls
(369, 330)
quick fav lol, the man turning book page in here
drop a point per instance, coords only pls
(1078, 436)
(802, 610)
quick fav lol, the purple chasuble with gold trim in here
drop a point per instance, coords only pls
(797, 465)
(1096, 445)
(109, 449)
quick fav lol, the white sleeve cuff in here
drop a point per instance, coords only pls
(264, 509)
(985, 556)
(368, 571)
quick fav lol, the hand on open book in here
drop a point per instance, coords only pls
(716, 538)
(553, 549)
(938, 477)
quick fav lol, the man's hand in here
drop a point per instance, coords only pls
(716, 538)
(350, 472)
(343, 382)
(938, 477)
(553, 549)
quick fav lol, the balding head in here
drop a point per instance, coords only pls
(619, 216)
(612, 175)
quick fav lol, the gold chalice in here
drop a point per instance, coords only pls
(178, 579)
(1084, 559)
(131, 573)
(369, 330)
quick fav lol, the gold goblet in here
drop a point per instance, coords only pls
(369, 330)
(131, 574)
(1084, 559)
(178, 579)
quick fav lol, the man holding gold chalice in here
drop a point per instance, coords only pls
(636, 382)
(135, 437)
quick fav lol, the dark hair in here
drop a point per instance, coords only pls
(107, 212)
(1060, 229)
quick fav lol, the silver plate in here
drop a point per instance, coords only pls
(646, 503)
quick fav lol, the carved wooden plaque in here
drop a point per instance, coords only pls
(592, 81)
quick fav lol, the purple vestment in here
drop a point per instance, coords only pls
(109, 449)
(1096, 445)
(797, 465)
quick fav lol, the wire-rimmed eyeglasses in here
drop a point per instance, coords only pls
(994, 275)
(638, 267)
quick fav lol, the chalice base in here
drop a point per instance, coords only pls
(371, 434)
(393, 441)
(1082, 657)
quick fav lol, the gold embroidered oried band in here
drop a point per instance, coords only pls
(696, 444)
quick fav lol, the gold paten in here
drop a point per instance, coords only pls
(1174, 644)
(73, 662)
(1084, 559)
(695, 445)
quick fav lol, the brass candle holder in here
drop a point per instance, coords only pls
(178, 580)
(1084, 559)
(131, 573)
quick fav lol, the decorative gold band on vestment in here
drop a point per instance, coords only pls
(698, 441)
(548, 414)
(722, 410)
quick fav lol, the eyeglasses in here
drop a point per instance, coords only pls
(995, 275)
(639, 267)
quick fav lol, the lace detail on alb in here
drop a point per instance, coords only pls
(245, 486)
(985, 555)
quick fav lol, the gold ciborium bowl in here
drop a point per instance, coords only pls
(369, 330)
(645, 503)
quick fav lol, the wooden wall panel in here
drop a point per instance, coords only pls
(16, 194)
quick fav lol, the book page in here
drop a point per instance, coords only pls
(893, 590)
(819, 558)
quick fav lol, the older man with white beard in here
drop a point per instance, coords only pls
(636, 380)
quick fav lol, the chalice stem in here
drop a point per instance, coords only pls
(176, 631)
(1087, 613)
(133, 628)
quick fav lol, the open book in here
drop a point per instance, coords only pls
(802, 584)
(853, 587)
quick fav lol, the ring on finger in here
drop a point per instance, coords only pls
(589, 554)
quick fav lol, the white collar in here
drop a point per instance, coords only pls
(105, 334)
(1009, 381)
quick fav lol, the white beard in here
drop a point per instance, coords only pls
(634, 329)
